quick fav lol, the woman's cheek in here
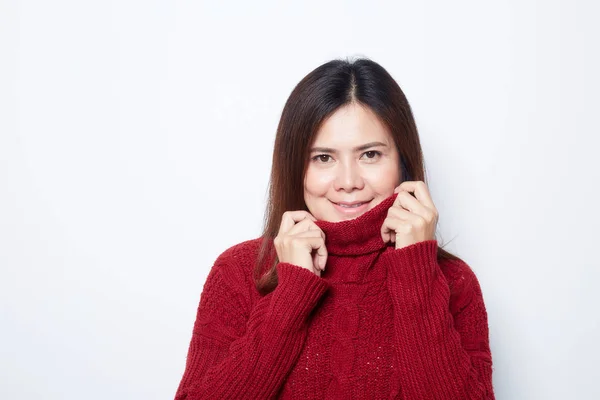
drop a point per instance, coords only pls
(384, 180)
(318, 182)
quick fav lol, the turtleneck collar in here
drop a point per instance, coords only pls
(361, 235)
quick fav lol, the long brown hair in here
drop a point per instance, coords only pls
(318, 95)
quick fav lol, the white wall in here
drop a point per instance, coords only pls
(135, 146)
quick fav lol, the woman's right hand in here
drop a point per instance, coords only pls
(298, 238)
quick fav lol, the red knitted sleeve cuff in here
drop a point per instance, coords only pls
(296, 295)
(414, 265)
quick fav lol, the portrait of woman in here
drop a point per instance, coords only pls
(347, 293)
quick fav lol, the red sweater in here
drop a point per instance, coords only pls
(380, 323)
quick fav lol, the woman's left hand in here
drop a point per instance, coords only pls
(411, 219)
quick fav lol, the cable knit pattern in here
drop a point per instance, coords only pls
(379, 323)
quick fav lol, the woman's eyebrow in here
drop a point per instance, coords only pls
(359, 148)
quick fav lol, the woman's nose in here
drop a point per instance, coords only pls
(348, 177)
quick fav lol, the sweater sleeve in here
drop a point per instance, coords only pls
(440, 355)
(237, 352)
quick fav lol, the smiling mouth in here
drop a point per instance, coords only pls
(355, 205)
(351, 208)
(351, 203)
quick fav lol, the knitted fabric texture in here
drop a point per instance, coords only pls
(380, 323)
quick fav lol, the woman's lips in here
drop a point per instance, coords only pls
(352, 210)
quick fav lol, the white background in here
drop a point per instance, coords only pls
(135, 147)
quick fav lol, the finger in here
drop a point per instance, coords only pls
(397, 217)
(406, 217)
(420, 190)
(400, 213)
(290, 218)
(311, 233)
(303, 226)
(315, 260)
(389, 228)
(320, 255)
(408, 202)
(388, 233)
(319, 260)
(315, 243)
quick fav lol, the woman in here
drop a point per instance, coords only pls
(346, 294)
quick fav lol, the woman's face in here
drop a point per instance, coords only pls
(353, 160)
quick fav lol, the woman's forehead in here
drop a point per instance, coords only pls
(351, 126)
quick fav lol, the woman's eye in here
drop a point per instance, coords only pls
(322, 157)
(372, 154)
